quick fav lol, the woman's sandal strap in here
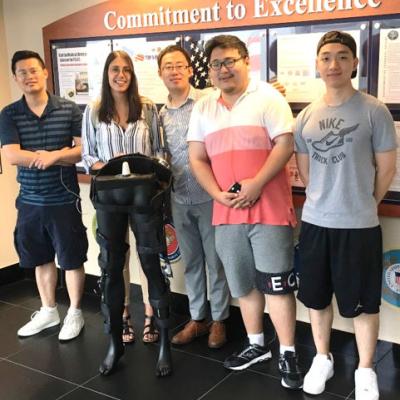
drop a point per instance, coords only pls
(150, 329)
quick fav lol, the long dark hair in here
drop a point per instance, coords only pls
(107, 105)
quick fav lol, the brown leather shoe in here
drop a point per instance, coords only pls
(191, 331)
(217, 337)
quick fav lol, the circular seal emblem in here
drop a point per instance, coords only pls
(393, 35)
(173, 252)
(391, 277)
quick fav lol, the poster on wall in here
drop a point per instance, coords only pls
(97, 53)
(73, 74)
(144, 55)
(395, 186)
(296, 68)
(80, 70)
(389, 66)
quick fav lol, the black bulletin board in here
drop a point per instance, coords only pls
(316, 31)
(368, 31)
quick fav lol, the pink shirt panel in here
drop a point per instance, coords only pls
(238, 142)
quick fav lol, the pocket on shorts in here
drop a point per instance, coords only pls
(80, 233)
(72, 246)
(27, 230)
(16, 242)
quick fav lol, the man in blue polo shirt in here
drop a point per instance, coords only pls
(40, 134)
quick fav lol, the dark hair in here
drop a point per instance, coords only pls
(24, 55)
(107, 105)
(338, 37)
(226, 42)
(342, 38)
(171, 49)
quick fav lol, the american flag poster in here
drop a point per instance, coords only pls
(195, 48)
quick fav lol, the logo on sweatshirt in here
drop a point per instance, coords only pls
(337, 136)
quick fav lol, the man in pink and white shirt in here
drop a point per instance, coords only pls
(240, 139)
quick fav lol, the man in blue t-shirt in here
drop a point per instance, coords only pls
(40, 134)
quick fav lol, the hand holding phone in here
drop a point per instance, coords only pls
(235, 188)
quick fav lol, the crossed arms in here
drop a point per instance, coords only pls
(42, 159)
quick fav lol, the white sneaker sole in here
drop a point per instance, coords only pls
(262, 358)
(36, 331)
(315, 392)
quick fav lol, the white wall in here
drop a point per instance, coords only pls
(8, 183)
(23, 22)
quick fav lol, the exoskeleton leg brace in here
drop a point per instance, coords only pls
(140, 197)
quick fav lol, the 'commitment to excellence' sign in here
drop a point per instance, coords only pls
(129, 17)
(233, 11)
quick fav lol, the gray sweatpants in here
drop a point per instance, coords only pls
(196, 237)
(247, 248)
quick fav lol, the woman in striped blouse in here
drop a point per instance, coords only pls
(122, 122)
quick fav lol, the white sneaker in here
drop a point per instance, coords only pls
(366, 384)
(321, 370)
(73, 324)
(40, 320)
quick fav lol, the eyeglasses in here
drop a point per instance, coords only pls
(24, 73)
(178, 68)
(216, 65)
(115, 69)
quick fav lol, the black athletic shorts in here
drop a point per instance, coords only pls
(45, 231)
(347, 262)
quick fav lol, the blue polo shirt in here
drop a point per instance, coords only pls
(53, 130)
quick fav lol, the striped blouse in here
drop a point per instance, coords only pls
(102, 141)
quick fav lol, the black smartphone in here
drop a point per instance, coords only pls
(235, 188)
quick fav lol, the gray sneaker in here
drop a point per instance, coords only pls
(40, 320)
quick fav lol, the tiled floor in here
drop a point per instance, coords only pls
(41, 368)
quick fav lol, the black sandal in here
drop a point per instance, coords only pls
(150, 332)
(127, 330)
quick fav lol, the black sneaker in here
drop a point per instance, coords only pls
(292, 377)
(251, 354)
